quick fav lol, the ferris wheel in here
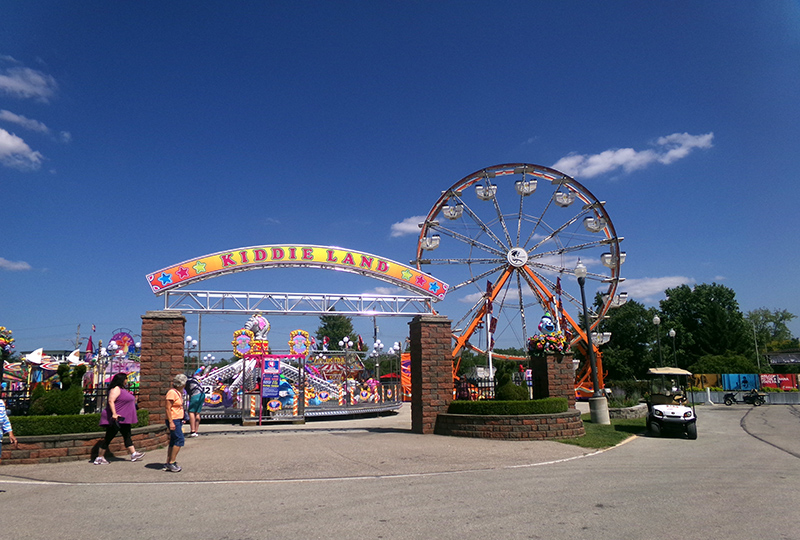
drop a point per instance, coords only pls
(510, 237)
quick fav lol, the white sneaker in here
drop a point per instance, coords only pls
(193, 434)
(136, 456)
(100, 461)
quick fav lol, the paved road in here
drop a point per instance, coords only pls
(372, 478)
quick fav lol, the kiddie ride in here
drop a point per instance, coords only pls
(264, 386)
(666, 405)
(753, 397)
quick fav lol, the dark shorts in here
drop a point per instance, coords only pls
(196, 403)
(176, 434)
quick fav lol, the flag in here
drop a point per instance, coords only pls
(360, 343)
(488, 297)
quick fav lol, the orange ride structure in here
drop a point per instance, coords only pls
(508, 238)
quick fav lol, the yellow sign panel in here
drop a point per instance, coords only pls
(296, 256)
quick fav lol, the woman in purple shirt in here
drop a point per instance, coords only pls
(120, 415)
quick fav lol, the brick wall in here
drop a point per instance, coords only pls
(161, 359)
(523, 427)
(79, 446)
(431, 370)
(553, 376)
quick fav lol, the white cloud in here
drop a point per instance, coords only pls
(23, 82)
(668, 150)
(15, 153)
(27, 123)
(650, 290)
(13, 265)
(407, 226)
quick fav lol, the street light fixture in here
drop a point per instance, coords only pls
(598, 404)
(657, 322)
(377, 347)
(191, 344)
(674, 352)
(344, 344)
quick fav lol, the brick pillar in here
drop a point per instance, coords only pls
(161, 359)
(431, 370)
(553, 376)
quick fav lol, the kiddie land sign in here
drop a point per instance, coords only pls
(296, 256)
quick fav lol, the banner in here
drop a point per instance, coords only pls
(296, 256)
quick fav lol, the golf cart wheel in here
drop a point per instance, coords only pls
(757, 402)
(728, 401)
(691, 431)
(655, 429)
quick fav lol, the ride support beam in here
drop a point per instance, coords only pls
(498, 285)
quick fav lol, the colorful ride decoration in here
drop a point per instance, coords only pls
(299, 342)
(551, 340)
(6, 340)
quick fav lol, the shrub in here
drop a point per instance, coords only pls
(505, 389)
(550, 405)
(616, 402)
(58, 425)
(65, 400)
(60, 402)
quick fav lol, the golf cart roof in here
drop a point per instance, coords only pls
(668, 371)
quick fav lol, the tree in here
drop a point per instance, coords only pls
(335, 327)
(629, 353)
(771, 330)
(728, 363)
(707, 321)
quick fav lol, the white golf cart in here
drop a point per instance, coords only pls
(666, 405)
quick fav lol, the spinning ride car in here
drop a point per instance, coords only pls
(666, 405)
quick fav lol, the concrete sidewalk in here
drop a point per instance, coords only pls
(357, 447)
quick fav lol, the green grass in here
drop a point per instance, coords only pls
(600, 436)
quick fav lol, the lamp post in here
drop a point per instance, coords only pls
(598, 404)
(657, 322)
(377, 347)
(209, 359)
(112, 353)
(671, 334)
(345, 345)
(191, 344)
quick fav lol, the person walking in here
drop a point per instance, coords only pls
(174, 402)
(118, 417)
(5, 424)
(196, 399)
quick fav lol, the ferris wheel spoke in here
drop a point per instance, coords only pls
(569, 249)
(483, 226)
(554, 234)
(562, 270)
(474, 279)
(502, 221)
(462, 261)
(538, 221)
(522, 310)
(472, 242)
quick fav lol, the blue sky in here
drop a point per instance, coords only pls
(134, 136)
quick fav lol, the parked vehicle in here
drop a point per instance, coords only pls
(666, 405)
(753, 397)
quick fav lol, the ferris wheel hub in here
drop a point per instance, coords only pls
(517, 257)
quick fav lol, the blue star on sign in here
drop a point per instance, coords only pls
(165, 279)
(434, 287)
